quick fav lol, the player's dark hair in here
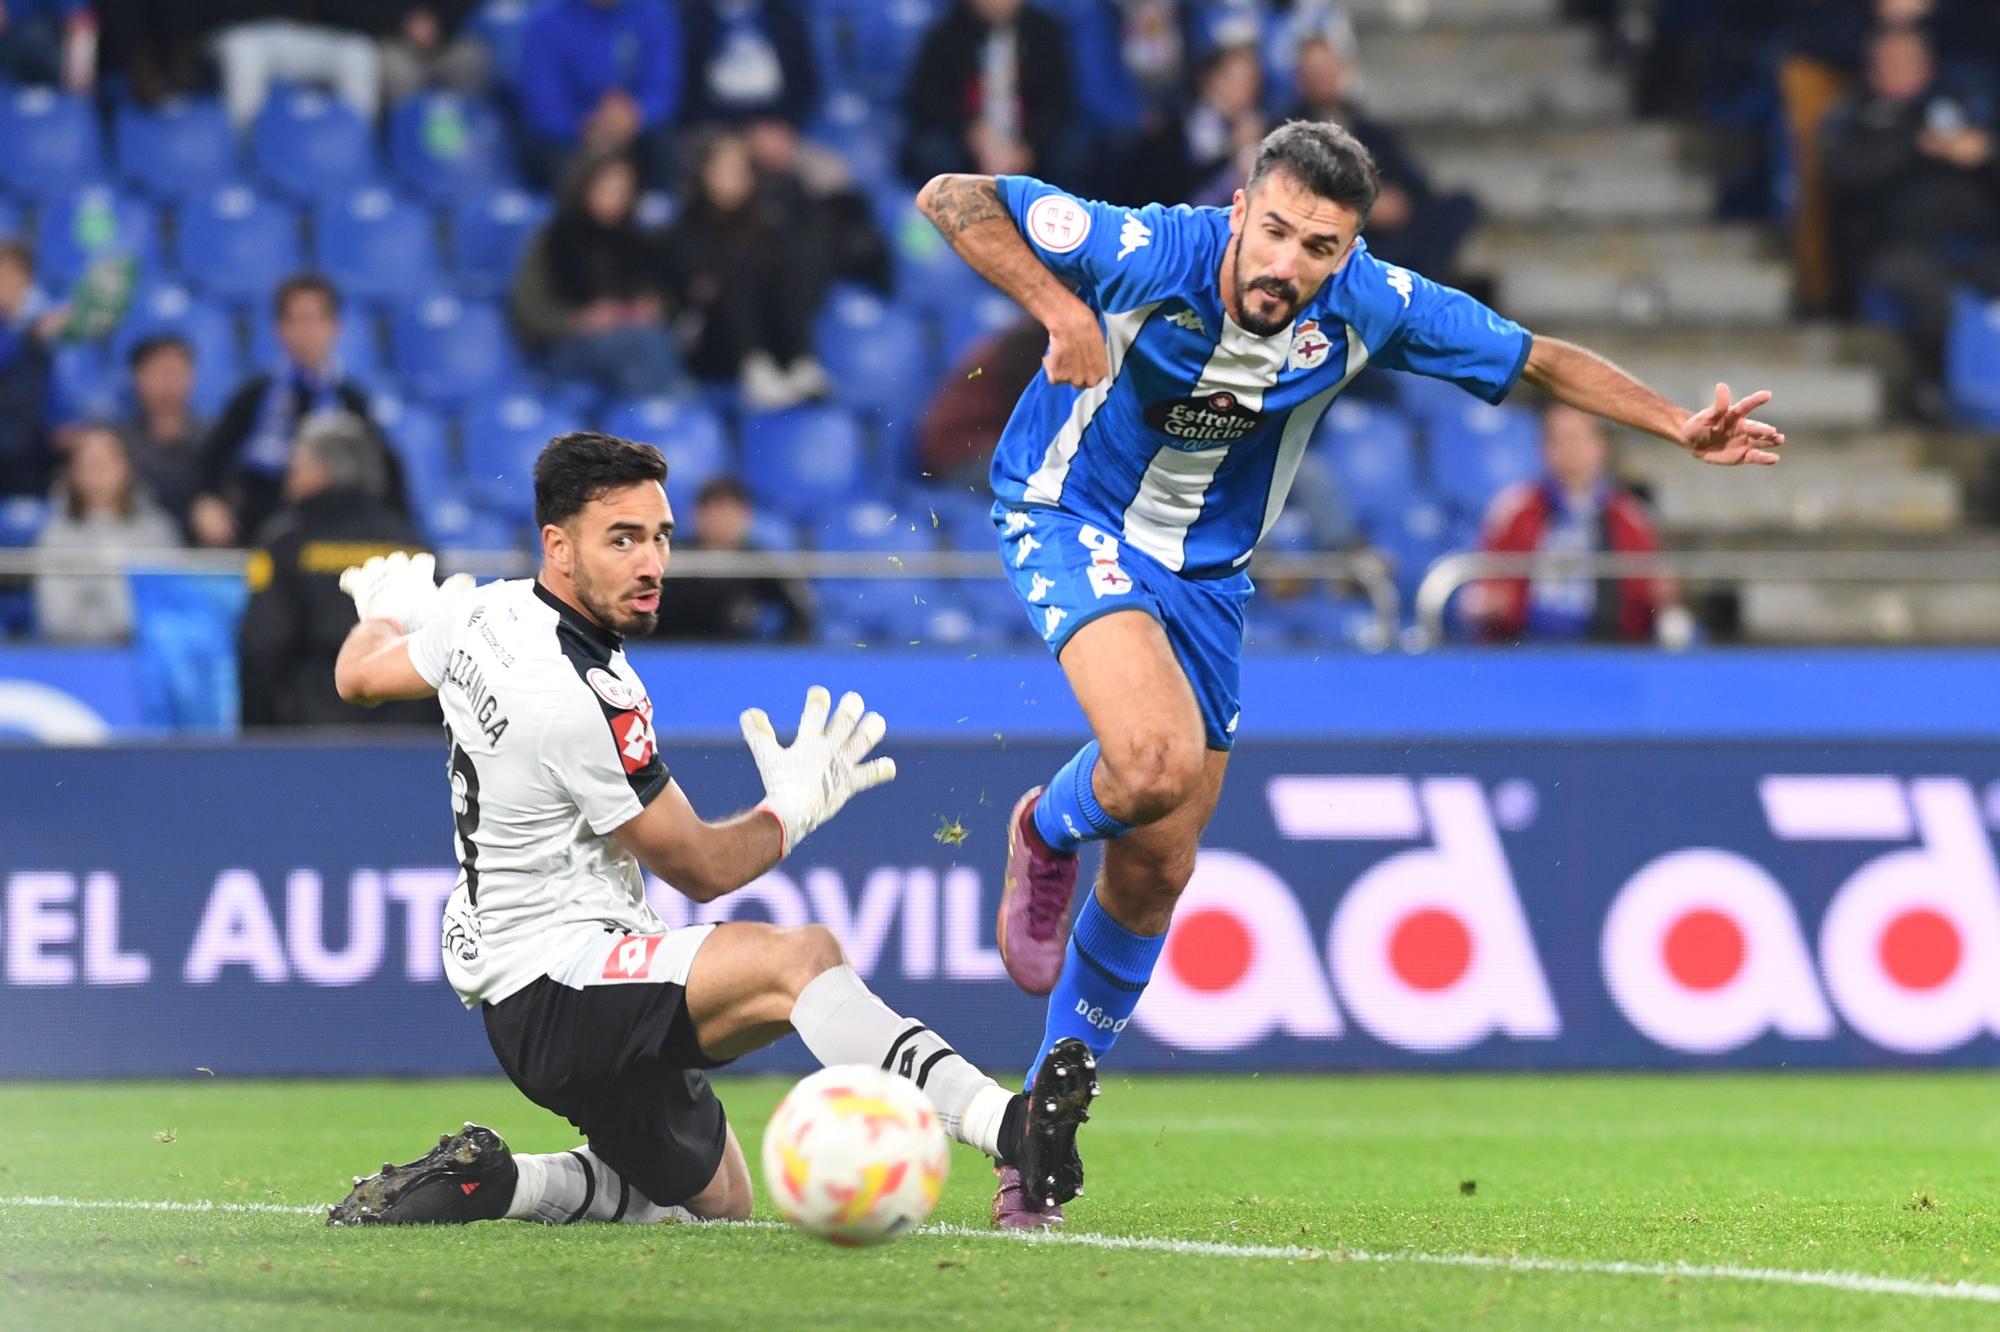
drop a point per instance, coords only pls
(1323, 158)
(305, 284)
(576, 468)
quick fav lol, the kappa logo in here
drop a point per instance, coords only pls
(1028, 546)
(1052, 617)
(1039, 587)
(1309, 347)
(1016, 522)
(1058, 223)
(1134, 235)
(631, 957)
(1402, 283)
(1190, 321)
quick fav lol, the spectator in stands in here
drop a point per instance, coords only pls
(157, 46)
(600, 74)
(1196, 152)
(750, 64)
(590, 290)
(430, 44)
(163, 434)
(991, 93)
(295, 41)
(750, 271)
(1577, 508)
(1916, 182)
(49, 42)
(26, 325)
(335, 515)
(100, 505)
(732, 609)
(244, 459)
(1412, 224)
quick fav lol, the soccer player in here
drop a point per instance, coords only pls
(595, 1009)
(1191, 353)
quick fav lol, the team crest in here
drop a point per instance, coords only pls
(1309, 347)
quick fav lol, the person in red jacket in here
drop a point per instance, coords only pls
(1577, 507)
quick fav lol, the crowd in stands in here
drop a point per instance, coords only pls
(430, 235)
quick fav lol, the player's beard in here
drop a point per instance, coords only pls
(608, 612)
(1283, 290)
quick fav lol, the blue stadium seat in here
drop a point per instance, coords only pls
(866, 137)
(1424, 399)
(930, 278)
(375, 246)
(867, 46)
(181, 150)
(1415, 538)
(448, 350)
(871, 607)
(10, 221)
(169, 307)
(490, 231)
(1372, 454)
(503, 437)
(964, 515)
(84, 384)
(799, 459)
(685, 430)
(311, 145)
(1481, 451)
(21, 519)
(875, 355)
(453, 522)
(356, 345)
(95, 222)
(443, 145)
(51, 143)
(417, 434)
(874, 526)
(988, 312)
(501, 24)
(237, 245)
(1972, 360)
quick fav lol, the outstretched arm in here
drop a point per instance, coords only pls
(968, 212)
(374, 665)
(1721, 433)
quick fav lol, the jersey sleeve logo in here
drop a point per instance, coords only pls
(633, 730)
(1134, 235)
(1401, 282)
(610, 688)
(1057, 223)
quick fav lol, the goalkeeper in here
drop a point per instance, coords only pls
(559, 795)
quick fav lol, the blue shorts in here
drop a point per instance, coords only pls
(1067, 572)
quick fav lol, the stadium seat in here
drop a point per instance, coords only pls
(418, 436)
(988, 312)
(1482, 450)
(490, 231)
(182, 150)
(690, 435)
(21, 519)
(500, 24)
(1372, 454)
(443, 145)
(503, 437)
(51, 144)
(453, 522)
(169, 307)
(1972, 352)
(874, 526)
(95, 222)
(375, 246)
(1415, 538)
(237, 245)
(10, 221)
(799, 459)
(448, 350)
(1424, 399)
(311, 146)
(83, 383)
(875, 355)
(867, 46)
(963, 514)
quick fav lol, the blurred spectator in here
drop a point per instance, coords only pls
(732, 609)
(962, 422)
(430, 44)
(751, 273)
(1916, 186)
(1578, 508)
(244, 459)
(335, 516)
(26, 325)
(156, 45)
(990, 92)
(749, 63)
(100, 505)
(1199, 147)
(1411, 224)
(295, 41)
(1129, 59)
(49, 42)
(163, 434)
(600, 74)
(590, 289)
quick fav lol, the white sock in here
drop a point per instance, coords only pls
(563, 1187)
(842, 1022)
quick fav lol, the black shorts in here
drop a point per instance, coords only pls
(621, 1063)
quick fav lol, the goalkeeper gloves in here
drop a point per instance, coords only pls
(401, 587)
(806, 783)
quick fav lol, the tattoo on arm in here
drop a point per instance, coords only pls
(960, 202)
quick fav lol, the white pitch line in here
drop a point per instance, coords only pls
(1856, 1283)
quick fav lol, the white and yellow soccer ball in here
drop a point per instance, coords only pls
(855, 1155)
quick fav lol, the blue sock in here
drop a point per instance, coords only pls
(1068, 814)
(1104, 972)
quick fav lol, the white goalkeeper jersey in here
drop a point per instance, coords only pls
(552, 748)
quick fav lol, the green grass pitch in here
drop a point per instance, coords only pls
(1396, 1202)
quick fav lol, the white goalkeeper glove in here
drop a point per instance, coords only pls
(401, 587)
(825, 766)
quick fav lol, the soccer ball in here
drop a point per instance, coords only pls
(855, 1155)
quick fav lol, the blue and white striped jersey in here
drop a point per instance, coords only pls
(1188, 449)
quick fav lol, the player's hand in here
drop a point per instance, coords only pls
(806, 783)
(1076, 354)
(1726, 436)
(401, 587)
